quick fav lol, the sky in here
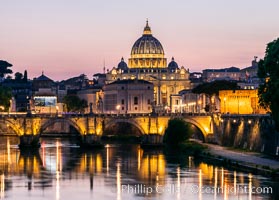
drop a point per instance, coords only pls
(66, 38)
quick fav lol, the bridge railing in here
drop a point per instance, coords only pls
(122, 115)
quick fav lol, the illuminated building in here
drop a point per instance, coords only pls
(93, 96)
(240, 102)
(44, 98)
(128, 96)
(148, 62)
(232, 73)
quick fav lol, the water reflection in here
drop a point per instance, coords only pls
(60, 170)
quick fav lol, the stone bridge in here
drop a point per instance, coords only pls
(91, 127)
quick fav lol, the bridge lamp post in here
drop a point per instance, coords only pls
(199, 104)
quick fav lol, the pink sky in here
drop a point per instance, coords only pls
(67, 38)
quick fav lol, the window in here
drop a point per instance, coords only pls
(136, 108)
(122, 101)
(148, 101)
(123, 108)
(122, 88)
(148, 87)
(136, 101)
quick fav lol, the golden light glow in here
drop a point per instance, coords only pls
(152, 166)
(98, 131)
(9, 150)
(140, 153)
(240, 102)
(250, 186)
(2, 186)
(118, 181)
(160, 129)
(178, 182)
(107, 148)
(215, 181)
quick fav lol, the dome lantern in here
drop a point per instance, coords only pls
(147, 51)
(147, 29)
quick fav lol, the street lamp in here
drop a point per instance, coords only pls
(118, 109)
(199, 103)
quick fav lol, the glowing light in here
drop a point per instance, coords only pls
(107, 146)
(215, 182)
(178, 182)
(234, 121)
(43, 152)
(139, 158)
(9, 151)
(118, 181)
(2, 186)
(206, 129)
(249, 121)
(160, 129)
(200, 184)
(234, 181)
(250, 186)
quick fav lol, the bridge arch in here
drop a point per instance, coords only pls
(13, 125)
(52, 121)
(198, 125)
(129, 121)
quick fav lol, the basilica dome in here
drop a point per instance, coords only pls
(173, 64)
(122, 65)
(147, 44)
(147, 51)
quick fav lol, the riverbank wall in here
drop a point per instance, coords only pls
(250, 132)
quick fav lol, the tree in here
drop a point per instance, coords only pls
(5, 97)
(212, 88)
(268, 72)
(25, 76)
(18, 76)
(74, 103)
(177, 132)
(4, 65)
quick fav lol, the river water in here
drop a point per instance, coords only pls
(61, 170)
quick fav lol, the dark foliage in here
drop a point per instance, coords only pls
(4, 65)
(177, 132)
(5, 96)
(269, 73)
(74, 103)
(213, 88)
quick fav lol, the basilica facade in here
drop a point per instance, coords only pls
(148, 62)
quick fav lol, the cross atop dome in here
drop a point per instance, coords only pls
(147, 29)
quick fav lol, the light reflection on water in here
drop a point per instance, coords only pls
(60, 170)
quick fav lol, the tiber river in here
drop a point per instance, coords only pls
(61, 170)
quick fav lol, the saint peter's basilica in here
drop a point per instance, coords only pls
(148, 62)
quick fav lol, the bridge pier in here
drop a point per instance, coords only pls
(91, 140)
(29, 141)
(152, 139)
